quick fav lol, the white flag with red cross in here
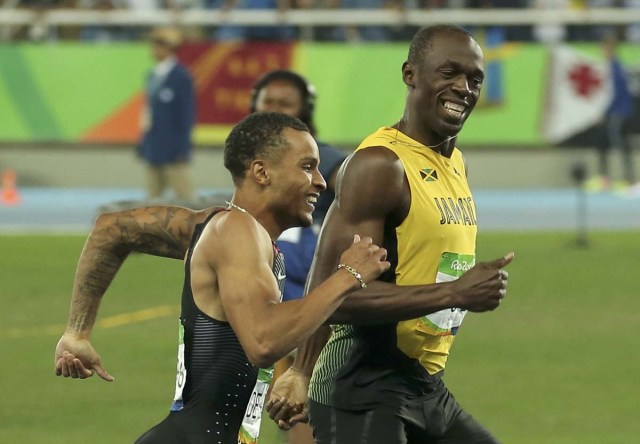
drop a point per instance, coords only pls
(578, 92)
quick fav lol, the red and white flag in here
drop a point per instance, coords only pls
(578, 92)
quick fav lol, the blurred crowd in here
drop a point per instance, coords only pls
(39, 30)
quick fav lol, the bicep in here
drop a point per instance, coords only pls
(335, 237)
(246, 283)
(160, 231)
(246, 288)
(369, 190)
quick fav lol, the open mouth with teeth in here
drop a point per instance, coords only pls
(312, 200)
(454, 109)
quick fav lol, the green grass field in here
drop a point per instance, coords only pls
(557, 363)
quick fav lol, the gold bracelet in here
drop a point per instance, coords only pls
(354, 272)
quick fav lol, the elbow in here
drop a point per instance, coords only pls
(263, 354)
(261, 359)
(107, 233)
(102, 221)
(102, 225)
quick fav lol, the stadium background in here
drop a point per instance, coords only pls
(556, 363)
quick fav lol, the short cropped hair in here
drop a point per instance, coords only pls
(422, 41)
(257, 135)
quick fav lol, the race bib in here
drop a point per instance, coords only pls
(250, 428)
(181, 373)
(446, 322)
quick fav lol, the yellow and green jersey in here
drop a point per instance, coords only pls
(365, 365)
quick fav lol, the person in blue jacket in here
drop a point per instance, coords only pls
(615, 128)
(168, 120)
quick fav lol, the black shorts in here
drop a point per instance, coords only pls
(187, 427)
(438, 419)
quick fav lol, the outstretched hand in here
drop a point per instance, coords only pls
(76, 358)
(287, 404)
(483, 287)
(366, 258)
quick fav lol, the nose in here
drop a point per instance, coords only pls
(461, 86)
(318, 181)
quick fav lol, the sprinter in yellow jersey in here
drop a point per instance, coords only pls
(378, 379)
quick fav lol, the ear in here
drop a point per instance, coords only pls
(408, 74)
(258, 172)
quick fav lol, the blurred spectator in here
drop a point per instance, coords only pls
(99, 32)
(579, 32)
(615, 128)
(168, 120)
(551, 33)
(500, 33)
(238, 32)
(633, 31)
(352, 33)
(38, 30)
(599, 32)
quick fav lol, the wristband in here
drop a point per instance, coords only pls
(355, 274)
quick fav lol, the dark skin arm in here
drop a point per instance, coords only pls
(160, 231)
(364, 203)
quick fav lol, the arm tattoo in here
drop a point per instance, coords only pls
(160, 231)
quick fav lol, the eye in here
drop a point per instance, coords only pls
(447, 73)
(477, 81)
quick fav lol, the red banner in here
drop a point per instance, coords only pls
(224, 73)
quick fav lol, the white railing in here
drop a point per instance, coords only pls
(320, 17)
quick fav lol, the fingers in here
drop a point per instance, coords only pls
(501, 262)
(69, 366)
(275, 408)
(283, 413)
(300, 417)
(58, 367)
(372, 248)
(508, 258)
(366, 241)
(82, 371)
(282, 409)
(100, 371)
(503, 277)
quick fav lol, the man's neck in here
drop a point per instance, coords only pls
(260, 211)
(435, 142)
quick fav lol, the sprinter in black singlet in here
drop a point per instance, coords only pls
(215, 380)
(232, 323)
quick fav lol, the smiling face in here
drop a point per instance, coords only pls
(295, 179)
(279, 96)
(445, 85)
